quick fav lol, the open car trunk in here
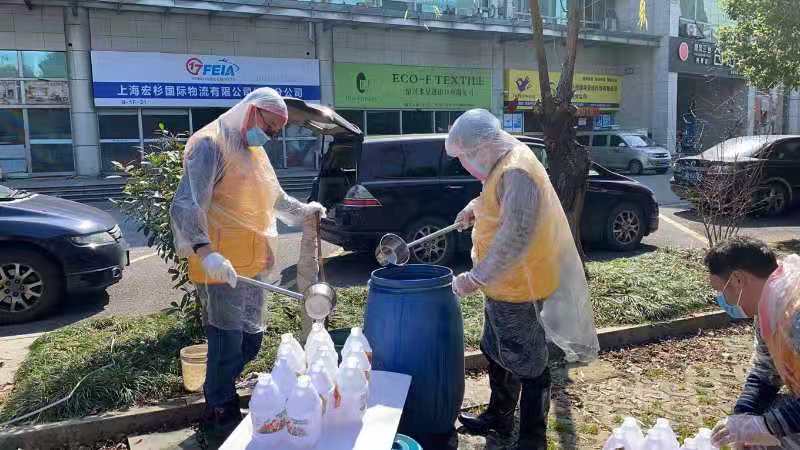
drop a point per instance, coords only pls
(341, 149)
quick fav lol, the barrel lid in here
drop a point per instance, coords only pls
(412, 276)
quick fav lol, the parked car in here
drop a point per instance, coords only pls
(408, 185)
(777, 159)
(625, 150)
(49, 247)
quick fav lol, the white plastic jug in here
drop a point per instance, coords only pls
(662, 437)
(689, 444)
(318, 338)
(295, 349)
(285, 376)
(703, 440)
(297, 365)
(304, 415)
(357, 335)
(329, 358)
(357, 351)
(353, 389)
(268, 412)
(324, 385)
(632, 434)
(615, 441)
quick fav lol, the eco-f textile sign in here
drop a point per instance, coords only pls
(365, 86)
(167, 79)
(595, 91)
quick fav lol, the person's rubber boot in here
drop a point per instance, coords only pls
(219, 422)
(499, 416)
(534, 407)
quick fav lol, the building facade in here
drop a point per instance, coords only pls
(86, 84)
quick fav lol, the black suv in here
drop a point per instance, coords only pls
(408, 185)
(777, 158)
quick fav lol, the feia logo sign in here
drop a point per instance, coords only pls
(222, 68)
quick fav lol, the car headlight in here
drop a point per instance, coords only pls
(103, 237)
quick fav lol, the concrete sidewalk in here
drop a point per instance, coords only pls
(13, 351)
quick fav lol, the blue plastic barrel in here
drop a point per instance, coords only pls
(414, 326)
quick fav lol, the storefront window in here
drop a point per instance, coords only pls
(44, 64)
(355, 116)
(204, 116)
(12, 127)
(119, 138)
(417, 122)
(444, 119)
(274, 149)
(52, 158)
(8, 64)
(174, 121)
(49, 124)
(51, 141)
(383, 122)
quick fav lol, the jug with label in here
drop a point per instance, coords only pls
(357, 335)
(353, 390)
(304, 415)
(357, 351)
(284, 376)
(295, 349)
(324, 385)
(268, 412)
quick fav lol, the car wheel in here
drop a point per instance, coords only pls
(439, 251)
(625, 227)
(775, 200)
(30, 285)
(635, 167)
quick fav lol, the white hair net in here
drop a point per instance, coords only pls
(479, 141)
(229, 198)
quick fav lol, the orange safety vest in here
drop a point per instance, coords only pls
(240, 214)
(777, 315)
(536, 275)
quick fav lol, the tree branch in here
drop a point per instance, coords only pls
(568, 70)
(541, 58)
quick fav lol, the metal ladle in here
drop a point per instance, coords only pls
(393, 249)
(319, 299)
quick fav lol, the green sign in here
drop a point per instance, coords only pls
(365, 86)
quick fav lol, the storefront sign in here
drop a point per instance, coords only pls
(365, 86)
(512, 122)
(9, 93)
(47, 92)
(696, 57)
(166, 79)
(591, 91)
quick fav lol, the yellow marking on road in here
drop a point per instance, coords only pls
(688, 231)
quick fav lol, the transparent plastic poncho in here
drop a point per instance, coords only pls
(229, 197)
(779, 319)
(481, 145)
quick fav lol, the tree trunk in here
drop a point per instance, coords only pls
(569, 163)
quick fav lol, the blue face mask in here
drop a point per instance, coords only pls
(256, 137)
(735, 311)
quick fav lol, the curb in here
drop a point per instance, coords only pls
(616, 337)
(183, 411)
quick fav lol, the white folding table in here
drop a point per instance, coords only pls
(387, 396)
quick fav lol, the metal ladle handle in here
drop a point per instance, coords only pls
(434, 235)
(271, 288)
